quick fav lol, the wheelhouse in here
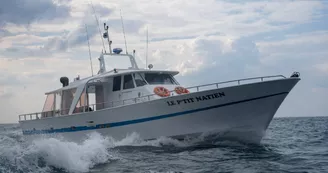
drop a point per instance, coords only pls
(116, 88)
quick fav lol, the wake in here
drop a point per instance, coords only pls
(51, 154)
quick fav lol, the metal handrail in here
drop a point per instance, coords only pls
(134, 100)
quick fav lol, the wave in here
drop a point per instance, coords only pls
(50, 154)
(44, 155)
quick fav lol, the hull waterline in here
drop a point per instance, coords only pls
(243, 112)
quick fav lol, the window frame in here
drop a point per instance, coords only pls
(174, 82)
(120, 83)
(134, 79)
(123, 81)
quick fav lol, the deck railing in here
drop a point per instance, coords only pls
(104, 105)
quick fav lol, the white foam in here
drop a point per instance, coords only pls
(73, 157)
(70, 156)
(134, 139)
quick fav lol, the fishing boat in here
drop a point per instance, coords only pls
(152, 103)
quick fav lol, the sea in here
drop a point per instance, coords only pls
(293, 145)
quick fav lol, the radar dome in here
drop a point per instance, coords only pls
(117, 50)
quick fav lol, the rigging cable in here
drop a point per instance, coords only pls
(126, 47)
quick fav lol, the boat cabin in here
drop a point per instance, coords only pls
(109, 89)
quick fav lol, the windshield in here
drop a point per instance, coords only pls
(157, 78)
(118, 62)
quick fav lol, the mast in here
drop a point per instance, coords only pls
(94, 12)
(86, 30)
(147, 49)
(126, 47)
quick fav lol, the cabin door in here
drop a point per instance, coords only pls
(128, 90)
(100, 100)
(115, 93)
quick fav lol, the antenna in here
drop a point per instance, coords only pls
(86, 30)
(147, 49)
(94, 12)
(126, 47)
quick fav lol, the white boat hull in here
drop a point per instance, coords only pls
(244, 109)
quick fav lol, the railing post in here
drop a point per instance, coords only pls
(217, 85)
(238, 82)
(261, 78)
(197, 88)
(148, 98)
(30, 116)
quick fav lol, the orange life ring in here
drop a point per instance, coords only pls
(161, 91)
(181, 90)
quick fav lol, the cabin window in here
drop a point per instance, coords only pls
(58, 101)
(49, 103)
(117, 83)
(67, 99)
(139, 80)
(82, 100)
(128, 82)
(158, 78)
(81, 105)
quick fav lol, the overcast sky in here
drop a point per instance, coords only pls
(206, 40)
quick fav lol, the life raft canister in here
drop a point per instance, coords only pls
(181, 90)
(162, 91)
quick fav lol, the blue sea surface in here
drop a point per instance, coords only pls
(290, 145)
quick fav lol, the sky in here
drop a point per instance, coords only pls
(206, 40)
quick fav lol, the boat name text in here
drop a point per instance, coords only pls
(196, 99)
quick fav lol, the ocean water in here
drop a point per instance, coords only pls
(290, 145)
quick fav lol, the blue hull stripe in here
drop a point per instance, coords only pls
(141, 120)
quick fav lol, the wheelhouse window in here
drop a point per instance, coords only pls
(139, 80)
(128, 82)
(117, 83)
(67, 100)
(159, 78)
(49, 103)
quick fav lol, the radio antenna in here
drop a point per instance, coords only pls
(94, 12)
(147, 49)
(86, 30)
(126, 47)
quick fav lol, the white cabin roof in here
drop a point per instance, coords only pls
(77, 83)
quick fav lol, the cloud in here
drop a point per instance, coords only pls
(207, 53)
(72, 39)
(21, 52)
(101, 10)
(9, 79)
(23, 12)
(295, 51)
(207, 41)
(130, 26)
(322, 67)
(78, 36)
(4, 33)
(6, 94)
